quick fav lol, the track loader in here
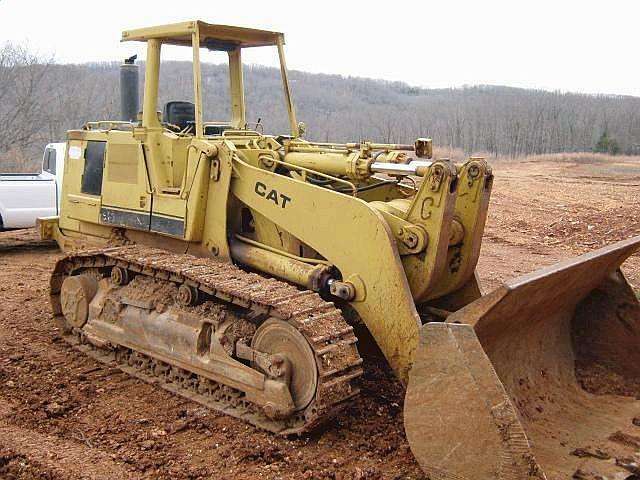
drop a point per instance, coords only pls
(231, 266)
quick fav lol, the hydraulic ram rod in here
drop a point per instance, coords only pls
(416, 167)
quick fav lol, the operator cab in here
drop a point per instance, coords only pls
(184, 117)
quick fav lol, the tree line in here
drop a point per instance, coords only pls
(41, 99)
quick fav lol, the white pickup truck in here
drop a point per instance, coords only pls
(27, 196)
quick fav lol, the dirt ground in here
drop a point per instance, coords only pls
(65, 416)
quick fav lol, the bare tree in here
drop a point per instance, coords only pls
(22, 97)
(41, 100)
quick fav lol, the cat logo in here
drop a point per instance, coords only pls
(279, 199)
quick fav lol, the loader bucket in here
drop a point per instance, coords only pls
(538, 379)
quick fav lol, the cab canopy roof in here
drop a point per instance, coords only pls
(213, 37)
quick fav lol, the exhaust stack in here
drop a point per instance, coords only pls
(129, 90)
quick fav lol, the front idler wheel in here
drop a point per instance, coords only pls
(75, 296)
(293, 355)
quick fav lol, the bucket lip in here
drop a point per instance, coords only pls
(625, 248)
(474, 312)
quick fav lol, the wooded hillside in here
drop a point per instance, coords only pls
(40, 100)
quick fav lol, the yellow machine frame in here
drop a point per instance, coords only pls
(186, 193)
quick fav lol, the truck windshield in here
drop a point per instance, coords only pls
(49, 162)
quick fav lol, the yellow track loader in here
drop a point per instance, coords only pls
(231, 266)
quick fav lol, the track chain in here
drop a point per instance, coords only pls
(320, 322)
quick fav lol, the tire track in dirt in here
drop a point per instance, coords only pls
(58, 457)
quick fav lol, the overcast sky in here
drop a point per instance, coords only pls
(582, 46)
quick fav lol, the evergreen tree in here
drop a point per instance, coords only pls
(606, 144)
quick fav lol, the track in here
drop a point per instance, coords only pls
(320, 322)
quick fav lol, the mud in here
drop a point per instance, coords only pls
(66, 416)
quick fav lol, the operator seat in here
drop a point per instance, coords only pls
(178, 113)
